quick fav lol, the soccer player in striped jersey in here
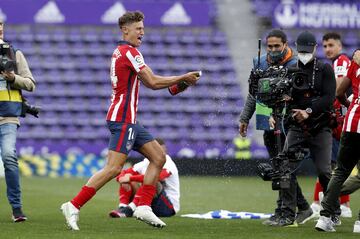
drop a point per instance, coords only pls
(332, 47)
(127, 70)
(348, 155)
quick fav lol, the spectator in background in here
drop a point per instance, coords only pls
(278, 54)
(166, 202)
(332, 47)
(127, 70)
(12, 81)
(348, 156)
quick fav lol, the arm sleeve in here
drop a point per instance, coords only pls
(126, 171)
(328, 84)
(136, 60)
(24, 80)
(164, 174)
(248, 110)
(341, 66)
(137, 178)
(140, 178)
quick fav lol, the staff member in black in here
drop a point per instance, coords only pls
(309, 122)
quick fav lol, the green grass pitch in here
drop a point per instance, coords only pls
(43, 196)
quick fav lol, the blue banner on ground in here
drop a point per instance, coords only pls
(320, 14)
(104, 12)
(224, 214)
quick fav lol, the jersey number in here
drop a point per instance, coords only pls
(131, 134)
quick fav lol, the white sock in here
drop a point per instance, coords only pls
(132, 206)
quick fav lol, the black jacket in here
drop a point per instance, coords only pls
(321, 95)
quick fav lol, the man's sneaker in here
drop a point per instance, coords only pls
(316, 208)
(145, 214)
(336, 220)
(285, 222)
(304, 216)
(325, 224)
(71, 214)
(345, 211)
(122, 212)
(271, 221)
(357, 227)
(18, 215)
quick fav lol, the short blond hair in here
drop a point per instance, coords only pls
(130, 17)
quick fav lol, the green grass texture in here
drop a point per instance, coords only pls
(42, 198)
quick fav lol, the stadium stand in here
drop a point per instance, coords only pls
(71, 64)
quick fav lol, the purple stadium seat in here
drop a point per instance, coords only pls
(59, 35)
(203, 37)
(170, 37)
(62, 49)
(42, 36)
(25, 37)
(187, 37)
(153, 37)
(90, 36)
(74, 35)
(219, 38)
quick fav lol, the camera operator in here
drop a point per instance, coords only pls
(278, 54)
(348, 155)
(308, 124)
(15, 76)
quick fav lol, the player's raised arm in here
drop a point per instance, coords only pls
(155, 82)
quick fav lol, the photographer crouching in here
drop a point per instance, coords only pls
(309, 112)
(15, 76)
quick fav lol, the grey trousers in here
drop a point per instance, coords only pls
(320, 150)
(348, 157)
(352, 183)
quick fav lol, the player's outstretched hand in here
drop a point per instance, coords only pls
(192, 77)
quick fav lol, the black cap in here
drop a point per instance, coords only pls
(305, 42)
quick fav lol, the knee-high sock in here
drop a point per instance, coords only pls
(344, 199)
(318, 188)
(146, 195)
(125, 195)
(85, 194)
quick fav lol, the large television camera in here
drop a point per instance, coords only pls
(274, 86)
(279, 170)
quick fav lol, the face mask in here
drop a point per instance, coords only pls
(277, 56)
(305, 57)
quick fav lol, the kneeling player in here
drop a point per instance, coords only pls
(166, 199)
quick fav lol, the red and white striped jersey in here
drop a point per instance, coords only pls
(126, 62)
(341, 65)
(352, 118)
